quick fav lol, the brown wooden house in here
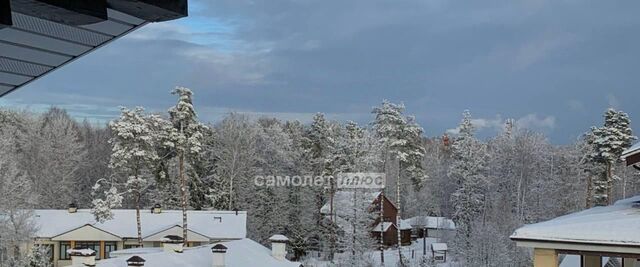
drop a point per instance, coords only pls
(389, 225)
(342, 200)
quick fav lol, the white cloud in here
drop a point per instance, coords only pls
(530, 121)
(533, 121)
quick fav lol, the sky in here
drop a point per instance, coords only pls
(553, 66)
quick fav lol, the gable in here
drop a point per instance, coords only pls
(87, 233)
(176, 230)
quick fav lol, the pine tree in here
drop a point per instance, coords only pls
(608, 143)
(186, 141)
(468, 170)
(134, 155)
(401, 137)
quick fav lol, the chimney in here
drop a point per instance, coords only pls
(172, 243)
(82, 256)
(73, 208)
(219, 252)
(135, 261)
(279, 246)
(157, 209)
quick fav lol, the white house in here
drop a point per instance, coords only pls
(595, 236)
(431, 226)
(237, 253)
(61, 230)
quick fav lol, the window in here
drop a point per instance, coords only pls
(92, 245)
(128, 246)
(64, 246)
(108, 248)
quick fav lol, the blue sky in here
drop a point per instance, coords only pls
(554, 66)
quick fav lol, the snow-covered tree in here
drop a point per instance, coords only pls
(608, 143)
(16, 201)
(134, 155)
(186, 141)
(468, 170)
(401, 138)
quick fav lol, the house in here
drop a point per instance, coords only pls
(234, 253)
(595, 235)
(61, 230)
(430, 226)
(439, 252)
(632, 156)
(339, 209)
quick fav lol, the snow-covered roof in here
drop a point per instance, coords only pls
(632, 150)
(404, 225)
(343, 201)
(279, 238)
(126, 253)
(243, 252)
(216, 225)
(385, 227)
(431, 222)
(439, 247)
(617, 224)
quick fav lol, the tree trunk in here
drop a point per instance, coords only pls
(399, 214)
(609, 182)
(589, 197)
(138, 223)
(183, 191)
(382, 226)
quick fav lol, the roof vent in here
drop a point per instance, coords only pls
(219, 252)
(135, 261)
(279, 246)
(157, 209)
(73, 208)
(217, 218)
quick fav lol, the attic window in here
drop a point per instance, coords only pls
(219, 219)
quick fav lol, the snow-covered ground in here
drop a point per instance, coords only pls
(412, 255)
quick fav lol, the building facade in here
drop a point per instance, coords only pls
(60, 230)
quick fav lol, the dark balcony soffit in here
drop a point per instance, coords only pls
(151, 10)
(70, 12)
(5, 13)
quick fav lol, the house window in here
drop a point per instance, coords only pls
(92, 245)
(108, 248)
(128, 246)
(64, 246)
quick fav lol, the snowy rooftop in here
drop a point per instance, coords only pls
(618, 224)
(385, 227)
(432, 222)
(343, 201)
(632, 150)
(212, 224)
(243, 252)
(439, 247)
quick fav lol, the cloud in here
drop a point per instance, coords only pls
(497, 124)
(533, 121)
(295, 58)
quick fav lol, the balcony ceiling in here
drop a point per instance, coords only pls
(39, 36)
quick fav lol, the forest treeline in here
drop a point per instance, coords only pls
(488, 186)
